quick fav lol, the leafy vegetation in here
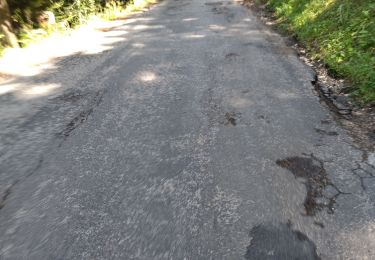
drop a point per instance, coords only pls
(25, 15)
(341, 33)
(74, 12)
(2, 47)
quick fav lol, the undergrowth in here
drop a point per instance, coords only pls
(68, 13)
(341, 33)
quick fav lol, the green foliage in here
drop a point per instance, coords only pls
(25, 12)
(68, 13)
(112, 10)
(27, 36)
(339, 32)
(2, 47)
(75, 12)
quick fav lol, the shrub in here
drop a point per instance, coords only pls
(75, 12)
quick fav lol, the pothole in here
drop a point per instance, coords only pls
(230, 17)
(220, 10)
(264, 118)
(214, 3)
(231, 118)
(321, 192)
(279, 242)
(319, 224)
(6, 194)
(325, 122)
(324, 132)
(82, 116)
(231, 56)
(70, 97)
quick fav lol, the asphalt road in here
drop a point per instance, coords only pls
(197, 136)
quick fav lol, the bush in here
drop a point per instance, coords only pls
(2, 47)
(75, 12)
(68, 13)
(25, 12)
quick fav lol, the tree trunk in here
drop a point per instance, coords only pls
(6, 30)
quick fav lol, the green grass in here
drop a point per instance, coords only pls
(341, 33)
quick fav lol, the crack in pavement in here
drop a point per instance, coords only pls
(312, 170)
(367, 174)
(10, 188)
(82, 116)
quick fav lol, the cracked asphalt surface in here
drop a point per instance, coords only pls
(198, 136)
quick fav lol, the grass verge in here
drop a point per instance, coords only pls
(340, 33)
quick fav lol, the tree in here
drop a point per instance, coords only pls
(9, 38)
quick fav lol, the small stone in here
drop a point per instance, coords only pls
(322, 201)
(325, 89)
(344, 112)
(342, 103)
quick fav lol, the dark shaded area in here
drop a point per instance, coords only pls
(83, 116)
(324, 132)
(6, 194)
(311, 169)
(8, 191)
(220, 10)
(73, 97)
(231, 118)
(229, 16)
(319, 224)
(214, 3)
(281, 242)
(231, 56)
(325, 122)
(264, 118)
